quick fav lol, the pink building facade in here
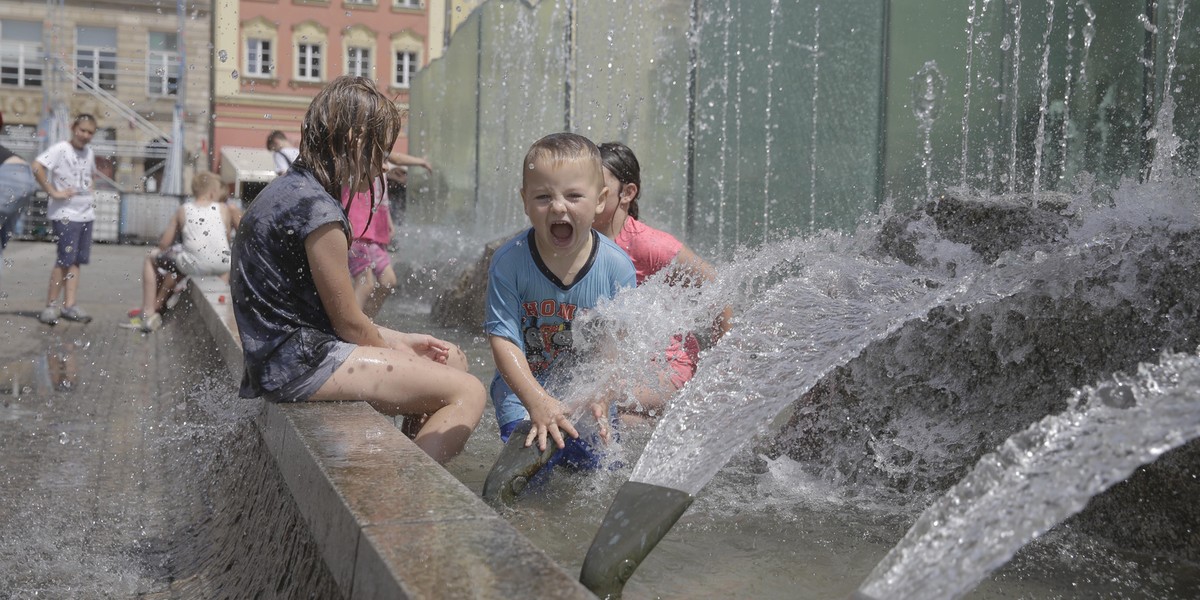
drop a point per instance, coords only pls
(270, 57)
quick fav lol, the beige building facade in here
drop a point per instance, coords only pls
(124, 62)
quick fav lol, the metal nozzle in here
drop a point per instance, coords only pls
(515, 466)
(639, 516)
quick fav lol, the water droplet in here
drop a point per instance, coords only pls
(62, 437)
(223, 56)
(234, 74)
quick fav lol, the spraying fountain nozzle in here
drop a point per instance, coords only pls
(639, 516)
(515, 466)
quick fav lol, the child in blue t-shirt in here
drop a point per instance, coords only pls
(542, 279)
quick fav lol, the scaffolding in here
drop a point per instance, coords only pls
(61, 80)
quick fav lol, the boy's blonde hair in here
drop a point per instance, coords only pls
(558, 148)
(205, 182)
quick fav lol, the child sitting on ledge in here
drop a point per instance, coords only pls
(304, 335)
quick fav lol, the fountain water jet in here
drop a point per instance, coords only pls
(1041, 476)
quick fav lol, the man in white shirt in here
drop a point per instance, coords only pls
(65, 171)
(282, 149)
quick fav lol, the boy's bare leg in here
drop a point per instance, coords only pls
(70, 285)
(57, 284)
(166, 287)
(149, 286)
(401, 383)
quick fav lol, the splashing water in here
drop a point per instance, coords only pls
(807, 307)
(1040, 477)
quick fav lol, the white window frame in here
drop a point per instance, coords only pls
(358, 61)
(406, 64)
(20, 60)
(258, 57)
(308, 60)
(162, 65)
(101, 74)
(406, 3)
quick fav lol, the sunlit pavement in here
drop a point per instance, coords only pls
(109, 287)
(84, 482)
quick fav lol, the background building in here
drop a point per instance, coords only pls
(270, 57)
(127, 63)
(444, 18)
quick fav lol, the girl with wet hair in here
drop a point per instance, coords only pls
(304, 336)
(652, 250)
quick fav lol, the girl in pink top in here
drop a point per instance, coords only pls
(652, 250)
(370, 262)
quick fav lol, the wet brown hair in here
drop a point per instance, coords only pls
(559, 148)
(347, 134)
(623, 164)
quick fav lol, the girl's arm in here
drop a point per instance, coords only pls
(327, 249)
(234, 219)
(168, 235)
(546, 411)
(693, 270)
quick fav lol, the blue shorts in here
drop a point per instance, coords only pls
(584, 453)
(74, 242)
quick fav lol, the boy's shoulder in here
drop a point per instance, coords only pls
(609, 250)
(518, 242)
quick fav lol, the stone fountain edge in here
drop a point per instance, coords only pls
(389, 521)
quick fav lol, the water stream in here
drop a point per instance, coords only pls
(1041, 476)
(867, 373)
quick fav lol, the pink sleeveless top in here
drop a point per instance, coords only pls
(650, 249)
(360, 211)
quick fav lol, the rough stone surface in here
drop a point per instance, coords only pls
(463, 301)
(966, 379)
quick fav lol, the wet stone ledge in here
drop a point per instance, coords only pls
(390, 522)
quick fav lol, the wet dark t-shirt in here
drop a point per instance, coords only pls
(284, 329)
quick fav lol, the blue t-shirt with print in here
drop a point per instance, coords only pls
(529, 306)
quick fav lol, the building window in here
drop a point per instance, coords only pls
(20, 53)
(96, 57)
(162, 63)
(258, 57)
(406, 67)
(308, 62)
(360, 2)
(407, 3)
(358, 61)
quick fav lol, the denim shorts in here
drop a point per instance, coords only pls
(74, 242)
(300, 388)
(17, 188)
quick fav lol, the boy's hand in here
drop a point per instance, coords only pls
(62, 193)
(549, 419)
(600, 411)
